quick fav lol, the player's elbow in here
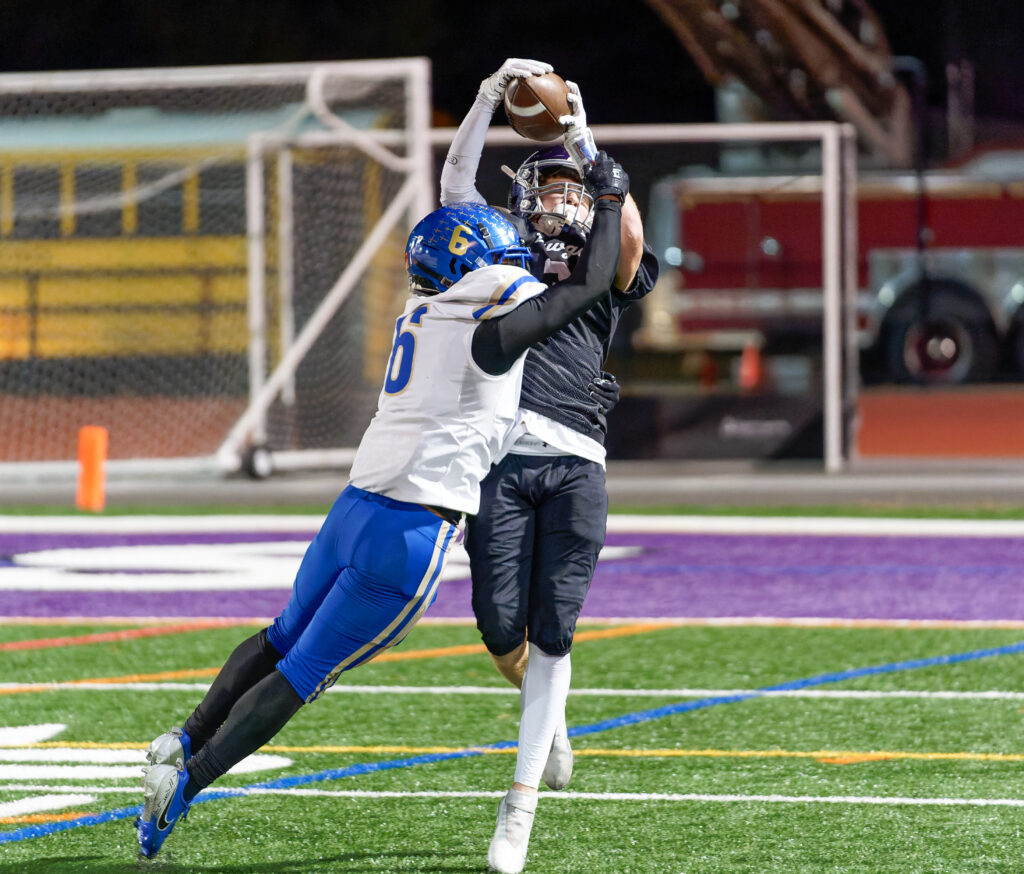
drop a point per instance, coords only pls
(631, 227)
(631, 248)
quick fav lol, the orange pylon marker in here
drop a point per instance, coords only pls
(92, 475)
(751, 374)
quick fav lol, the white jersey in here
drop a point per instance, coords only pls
(441, 421)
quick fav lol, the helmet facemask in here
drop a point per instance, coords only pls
(547, 176)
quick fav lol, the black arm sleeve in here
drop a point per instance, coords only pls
(497, 343)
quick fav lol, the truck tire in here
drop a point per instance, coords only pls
(956, 343)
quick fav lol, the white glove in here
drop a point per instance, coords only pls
(579, 141)
(492, 89)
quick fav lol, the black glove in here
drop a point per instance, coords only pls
(605, 391)
(606, 176)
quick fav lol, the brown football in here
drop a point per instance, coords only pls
(533, 105)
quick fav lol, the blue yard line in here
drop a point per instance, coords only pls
(805, 683)
(340, 773)
(39, 831)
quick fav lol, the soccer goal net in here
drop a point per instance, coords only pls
(203, 260)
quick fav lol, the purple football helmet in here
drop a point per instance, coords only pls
(550, 171)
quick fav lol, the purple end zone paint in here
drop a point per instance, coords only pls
(674, 575)
(213, 603)
(702, 575)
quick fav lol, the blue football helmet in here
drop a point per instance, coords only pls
(457, 239)
(572, 213)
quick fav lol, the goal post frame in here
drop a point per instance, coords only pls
(839, 279)
(405, 149)
(415, 197)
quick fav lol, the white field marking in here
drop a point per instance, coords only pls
(616, 523)
(102, 687)
(39, 803)
(643, 797)
(866, 694)
(663, 796)
(187, 567)
(158, 524)
(21, 735)
(50, 787)
(837, 525)
(95, 771)
(180, 568)
(587, 622)
(70, 754)
(224, 621)
(69, 772)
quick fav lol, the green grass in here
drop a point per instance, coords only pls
(757, 743)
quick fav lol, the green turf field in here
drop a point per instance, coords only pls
(812, 781)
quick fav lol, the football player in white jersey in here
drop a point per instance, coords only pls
(446, 411)
(534, 544)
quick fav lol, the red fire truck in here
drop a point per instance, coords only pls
(940, 266)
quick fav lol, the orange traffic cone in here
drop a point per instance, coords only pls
(92, 459)
(751, 374)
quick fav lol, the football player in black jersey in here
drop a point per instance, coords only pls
(534, 544)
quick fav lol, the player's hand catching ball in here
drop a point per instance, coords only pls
(606, 178)
(492, 89)
(579, 141)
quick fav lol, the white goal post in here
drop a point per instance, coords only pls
(839, 265)
(207, 261)
(172, 241)
(839, 280)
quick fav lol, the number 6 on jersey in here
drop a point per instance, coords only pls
(402, 353)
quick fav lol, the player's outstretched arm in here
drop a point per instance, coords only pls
(631, 248)
(579, 143)
(458, 176)
(578, 140)
(497, 343)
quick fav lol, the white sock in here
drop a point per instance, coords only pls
(545, 689)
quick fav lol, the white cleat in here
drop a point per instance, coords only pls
(558, 767)
(173, 747)
(507, 853)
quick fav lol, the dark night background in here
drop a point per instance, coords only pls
(630, 66)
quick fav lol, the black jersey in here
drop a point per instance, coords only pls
(559, 368)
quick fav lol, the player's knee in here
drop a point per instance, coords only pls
(512, 665)
(553, 639)
(501, 642)
(501, 634)
(502, 630)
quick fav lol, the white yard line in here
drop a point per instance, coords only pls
(25, 764)
(20, 735)
(829, 526)
(838, 525)
(589, 622)
(41, 803)
(70, 772)
(642, 797)
(866, 694)
(665, 796)
(158, 524)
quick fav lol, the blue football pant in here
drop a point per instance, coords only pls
(365, 580)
